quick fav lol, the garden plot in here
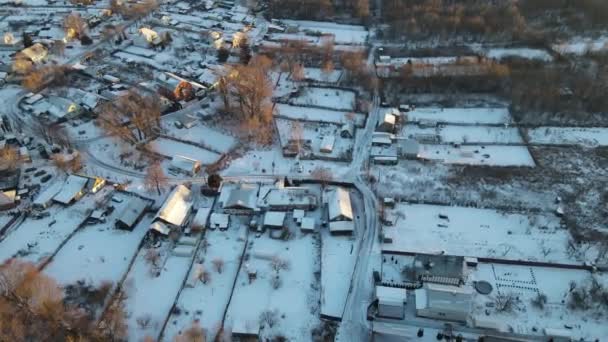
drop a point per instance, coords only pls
(171, 148)
(152, 290)
(319, 115)
(435, 229)
(202, 135)
(207, 302)
(34, 240)
(98, 253)
(338, 258)
(342, 148)
(319, 75)
(331, 98)
(467, 134)
(473, 116)
(290, 302)
(495, 155)
(343, 34)
(525, 284)
(590, 137)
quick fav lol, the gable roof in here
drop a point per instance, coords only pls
(72, 186)
(132, 211)
(243, 197)
(339, 204)
(176, 208)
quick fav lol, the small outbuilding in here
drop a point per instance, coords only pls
(409, 148)
(387, 123)
(274, 219)
(185, 165)
(341, 227)
(219, 220)
(327, 144)
(347, 130)
(307, 225)
(391, 302)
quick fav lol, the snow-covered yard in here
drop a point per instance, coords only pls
(460, 115)
(336, 99)
(590, 137)
(291, 301)
(151, 291)
(467, 134)
(494, 155)
(527, 283)
(171, 148)
(343, 34)
(315, 132)
(206, 303)
(338, 257)
(36, 239)
(204, 135)
(319, 75)
(319, 115)
(434, 229)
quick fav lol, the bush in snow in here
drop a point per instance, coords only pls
(269, 318)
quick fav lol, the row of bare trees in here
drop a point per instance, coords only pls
(318, 9)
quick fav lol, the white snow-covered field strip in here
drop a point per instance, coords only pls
(582, 45)
(338, 257)
(494, 155)
(318, 115)
(318, 75)
(206, 302)
(461, 115)
(293, 300)
(98, 253)
(336, 99)
(343, 34)
(151, 296)
(569, 136)
(202, 134)
(526, 283)
(527, 53)
(468, 134)
(171, 148)
(35, 240)
(434, 229)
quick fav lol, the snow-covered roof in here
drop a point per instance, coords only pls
(219, 220)
(339, 205)
(71, 188)
(327, 144)
(176, 208)
(308, 223)
(241, 198)
(298, 213)
(389, 118)
(274, 218)
(410, 146)
(289, 197)
(47, 195)
(160, 227)
(201, 217)
(391, 295)
(341, 227)
(132, 211)
(440, 297)
(184, 163)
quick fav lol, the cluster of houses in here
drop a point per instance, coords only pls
(387, 146)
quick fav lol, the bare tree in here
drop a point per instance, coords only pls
(74, 26)
(155, 178)
(269, 318)
(505, 302)
(218, 265)
(322, 174)
(278, 264)
(152, 257)
(9, 158)
(194, 333)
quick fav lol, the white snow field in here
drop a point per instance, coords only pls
(583, 136)
(493, 155)
(490, 116)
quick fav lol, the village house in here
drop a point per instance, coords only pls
(72, 190)
(274, 219)
(132, 213)
(339, 205)
(185, 165)
(239, 200)
(289, 198)
(444, 302)
(174, 212)
(219, 221)
(391, 301)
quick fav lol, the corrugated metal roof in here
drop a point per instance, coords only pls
(339, 204)
(176, 208)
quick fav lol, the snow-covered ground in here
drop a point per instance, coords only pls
(490, 116)
(336, 99)
(467, 134)
(527, 53)
(319, 75)
(207, 302)
(98, 253)
(526, 283)
(568, 136)
(318, 115)
(171, 148)
(202, 134)
(489, 233)
(34, 240)
(343, 34)
(152, 291)
(494, 155)
(294, 300)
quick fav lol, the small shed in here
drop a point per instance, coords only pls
(200, 219)
(185, 165)
(387, 123)
(308, 225)
(347, 130)
(132, 212)
(341, 227)
(327, 144)
(409, 148)
(391, 301)
(298, 215)
(274, 219)
(219, 220)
